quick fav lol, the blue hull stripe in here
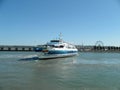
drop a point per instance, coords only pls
(61, 52)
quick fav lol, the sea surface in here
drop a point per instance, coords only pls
(86, 71)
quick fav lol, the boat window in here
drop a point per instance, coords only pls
(51, 46)
(61, 46)
(56, 46)
(55, 41)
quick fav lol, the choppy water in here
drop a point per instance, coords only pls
(87, 71)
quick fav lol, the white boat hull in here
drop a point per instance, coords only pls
(47, 56)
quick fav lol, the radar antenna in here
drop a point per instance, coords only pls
(60, 36)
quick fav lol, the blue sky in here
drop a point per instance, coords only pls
(33, 22)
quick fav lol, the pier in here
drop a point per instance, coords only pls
(81, 48)
(16, 48)
(98, 47)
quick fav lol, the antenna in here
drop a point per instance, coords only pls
(60, 36)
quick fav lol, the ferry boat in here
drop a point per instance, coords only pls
(58, 49)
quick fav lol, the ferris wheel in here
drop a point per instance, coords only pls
(99, 43)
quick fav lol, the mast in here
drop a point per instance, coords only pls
(60, 36)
